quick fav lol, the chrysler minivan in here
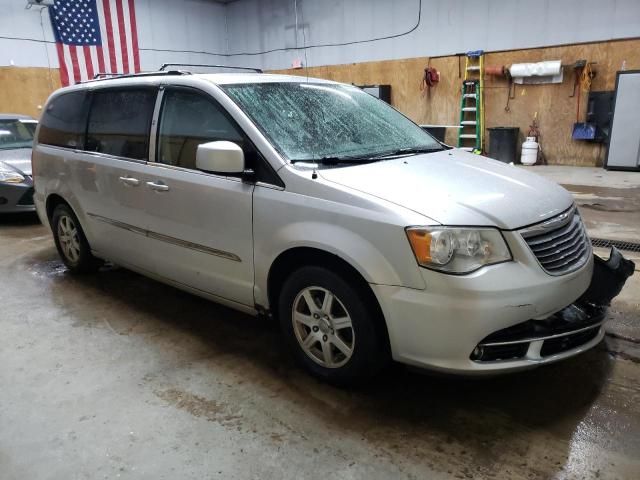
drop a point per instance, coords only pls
(316, 203)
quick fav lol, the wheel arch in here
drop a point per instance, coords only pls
(53, 200)
(296, 257)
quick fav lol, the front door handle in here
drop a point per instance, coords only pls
(158, 187)
(134, 182)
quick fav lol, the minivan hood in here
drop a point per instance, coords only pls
(454, 187)
(18, 158)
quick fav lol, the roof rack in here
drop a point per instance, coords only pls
(162, 71)
(105, 75)
(164, 65)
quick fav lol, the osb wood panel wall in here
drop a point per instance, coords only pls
(556, 111)
(24, 89)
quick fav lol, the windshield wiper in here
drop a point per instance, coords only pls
(341, 160)
(407, 151)
(335, 160)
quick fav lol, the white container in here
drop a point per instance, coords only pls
(540, 69)
(529, 154)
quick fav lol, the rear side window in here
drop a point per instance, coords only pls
(64, 121)
(119, 122)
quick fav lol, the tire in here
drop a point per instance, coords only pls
(342, 344)
(71, 242)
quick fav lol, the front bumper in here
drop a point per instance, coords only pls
(502, 318)
(17, 197)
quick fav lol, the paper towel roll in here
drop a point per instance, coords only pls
(540, 69)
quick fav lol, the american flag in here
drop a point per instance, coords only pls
(95, 36)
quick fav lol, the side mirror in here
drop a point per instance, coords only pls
(220, 157)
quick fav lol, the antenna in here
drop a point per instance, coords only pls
(304, 39)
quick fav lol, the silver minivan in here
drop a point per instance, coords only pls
(316, 203)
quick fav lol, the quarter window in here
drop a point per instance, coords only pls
(188, 120)
(119, 122)
(64, 121)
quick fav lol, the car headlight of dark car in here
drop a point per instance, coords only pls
(9, 174)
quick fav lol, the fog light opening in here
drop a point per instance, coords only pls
(477, 353)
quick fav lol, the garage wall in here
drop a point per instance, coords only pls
(25, 36)
(446, 27)
(168, 31)
(556, 110)
(175, 30)
(203, 31)
(25, 89)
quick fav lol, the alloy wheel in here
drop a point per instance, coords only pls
(323, 327)
(68, 238)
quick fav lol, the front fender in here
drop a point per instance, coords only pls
(377, 249)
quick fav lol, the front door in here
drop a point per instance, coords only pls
(200, 224)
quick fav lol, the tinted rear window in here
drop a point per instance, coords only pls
(64, 121)
(119, 122)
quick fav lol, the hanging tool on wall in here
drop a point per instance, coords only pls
(501, 71)
(471, 132)
(577, 72)
(496, 70)
(511, 91)
(430, 78)
(584, 74)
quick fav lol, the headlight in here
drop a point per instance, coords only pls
(9, 175)
(457, 250)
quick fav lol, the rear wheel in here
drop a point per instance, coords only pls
(331, 326)
(71, 242)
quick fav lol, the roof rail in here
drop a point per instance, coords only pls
(104, 75)
(164, 65)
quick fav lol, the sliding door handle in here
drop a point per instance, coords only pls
(158, 187)
(134, 182)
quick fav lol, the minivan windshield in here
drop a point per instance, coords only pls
(329, 123)
(16, 133)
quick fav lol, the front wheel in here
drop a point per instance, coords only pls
(331, 326)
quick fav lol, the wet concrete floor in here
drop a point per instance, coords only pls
(113, 375)
(609, 200)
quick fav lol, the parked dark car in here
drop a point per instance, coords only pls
(16, 184)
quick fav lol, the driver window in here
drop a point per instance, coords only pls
(189, 119)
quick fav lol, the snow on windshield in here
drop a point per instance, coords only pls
(307, 121)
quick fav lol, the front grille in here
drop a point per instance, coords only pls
(26, 198)
(571, 318)
(562, 344)
(565, 330)
(560, 244)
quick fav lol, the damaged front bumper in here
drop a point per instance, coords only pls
(569, 331)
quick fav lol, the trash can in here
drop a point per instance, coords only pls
(503, 143)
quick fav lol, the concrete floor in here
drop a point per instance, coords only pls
(609, 201)
(113, 375)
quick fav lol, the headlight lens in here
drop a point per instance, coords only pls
(457, 250)
(9, 175)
